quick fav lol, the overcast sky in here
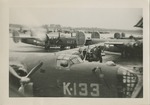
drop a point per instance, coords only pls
(77, 17)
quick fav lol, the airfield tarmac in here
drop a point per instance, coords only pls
(21, 49)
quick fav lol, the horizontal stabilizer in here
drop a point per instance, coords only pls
(17, 36)
(115, 43)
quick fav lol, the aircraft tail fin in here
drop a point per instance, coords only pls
(15, 35)
(80, 38)
(95, 35)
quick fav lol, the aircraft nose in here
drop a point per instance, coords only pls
(126, 82)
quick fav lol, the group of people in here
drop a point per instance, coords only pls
(91, 54)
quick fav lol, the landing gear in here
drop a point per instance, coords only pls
(71, 47)
(47, 46)
(62, 47)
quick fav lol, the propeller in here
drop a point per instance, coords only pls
(25, 80)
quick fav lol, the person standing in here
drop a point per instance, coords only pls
(47, 43)
(84, 52)
(99, 55)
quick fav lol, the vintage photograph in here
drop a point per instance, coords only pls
(76, 52)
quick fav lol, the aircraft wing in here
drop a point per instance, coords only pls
(23, 37)
(115, 43)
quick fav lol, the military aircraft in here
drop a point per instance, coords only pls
(128, 46)
(53, 39)
(65, 75)
(39, 38)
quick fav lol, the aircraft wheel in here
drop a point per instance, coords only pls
(75, 46)
(71, 47)
(46, 48)
(62, 47)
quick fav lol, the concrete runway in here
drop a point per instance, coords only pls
(21, 49)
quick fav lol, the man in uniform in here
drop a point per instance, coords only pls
(98, 53)
(47, 43)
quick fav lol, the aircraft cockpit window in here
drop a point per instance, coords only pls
(65, 61)
(80, 59)
(76, 60)
(63, 56)
(63, 64)
(66, 57)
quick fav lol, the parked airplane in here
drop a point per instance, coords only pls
(47, 40)
(132, 46)
(127, 47)
(68, 76)
(52, 39)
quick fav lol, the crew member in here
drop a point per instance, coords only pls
(80, 53)
(98, 53)
(47, 43)
(84, 52)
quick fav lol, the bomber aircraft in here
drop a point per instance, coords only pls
(54, 39)
(127, 47)
(42, 39)
(131, 46)
(65, 75)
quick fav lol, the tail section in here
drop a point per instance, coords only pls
(15, 36)
(80, 38)
(95, 35)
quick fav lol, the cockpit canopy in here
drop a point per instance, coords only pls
(65, 60)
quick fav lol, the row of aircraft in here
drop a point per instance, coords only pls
(67, 75)
(127, 46)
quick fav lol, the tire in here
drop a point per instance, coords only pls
(62, 47)
(71, 47)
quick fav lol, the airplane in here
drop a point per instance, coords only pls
(65, 75)
(124, 45)
(131, 46)
(47, 40)
(40, 38)
(127, 47)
